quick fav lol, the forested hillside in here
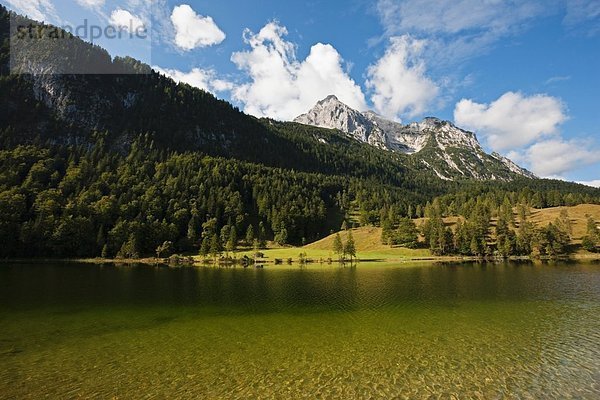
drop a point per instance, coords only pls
(117, 165)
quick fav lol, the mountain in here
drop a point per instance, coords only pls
(119, 164)
(436, 145)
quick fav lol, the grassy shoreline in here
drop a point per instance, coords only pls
(295, 261)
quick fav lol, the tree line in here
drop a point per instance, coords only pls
(475, 234)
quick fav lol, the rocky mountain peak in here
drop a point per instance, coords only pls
(451, 152)
(333, 114)
(330, 99)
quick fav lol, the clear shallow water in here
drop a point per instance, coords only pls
(468, 331)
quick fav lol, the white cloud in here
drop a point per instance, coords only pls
(595, 183)
(556, 157)
(398, 81)
(205, 79)
(123, 19)
(92, 3)
(283, 87)
(556, 79)
(513, 120)
(39, 10)
(583, 15)
(460, 29)
(193, 30)
(455, 16)
(527, 129)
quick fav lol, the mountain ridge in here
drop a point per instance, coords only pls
(440, 146)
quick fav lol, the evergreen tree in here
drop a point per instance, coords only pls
(564, 223)
(205, 247)
(232, 240)
(281, 237)
(525, 238)
(407, 234)
(130, 248)
(256, 246)
(262, 235)
(350, 247)
(192, 230)
(475, 247)
(215, 246)
(100, 238)
(104, 253)
(224, 237)
(250, 235)
(338, 246)
(591, 240)
(386, 232)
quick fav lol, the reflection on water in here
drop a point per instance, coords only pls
(517, 331)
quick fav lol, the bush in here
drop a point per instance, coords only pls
(589, 244)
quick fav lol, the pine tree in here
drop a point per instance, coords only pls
(232, 240)
(192, 230)
(525, 238)
(591, 240)
(350, 247)
(130, 248)
(419, 211)
(215, 246)
(474, 247)
(338, 246)
(205, 247)
(262, 235)
(523, 211)
(281, 237)
(250, 235)
(564, 222)
(104, 253)
(407, 234)
(386, 232)
(256, 246)
(100, 238)
(225, 231)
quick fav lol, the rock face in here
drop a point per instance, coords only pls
(333, 114)
(450, 152)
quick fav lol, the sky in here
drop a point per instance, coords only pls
(524, 75)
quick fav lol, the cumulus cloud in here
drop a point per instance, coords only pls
(283, 87)
(513, 120)
(527, 130)
(123, 19)
(205, 79)
(555, 157)
(39, 10)
(193, 31)
(398, 83)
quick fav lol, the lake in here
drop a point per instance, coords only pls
(370, 331)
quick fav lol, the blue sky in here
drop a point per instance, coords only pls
(524, 75)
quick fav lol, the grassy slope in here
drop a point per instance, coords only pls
(577, 215)
(369, 247)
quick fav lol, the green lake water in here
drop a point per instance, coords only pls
(440, 331)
